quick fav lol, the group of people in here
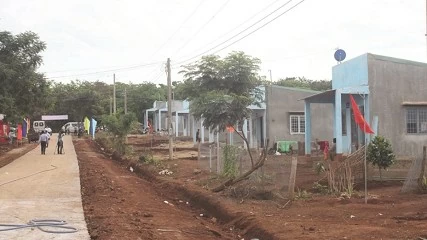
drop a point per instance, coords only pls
(44, 142)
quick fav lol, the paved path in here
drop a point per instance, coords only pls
(51, 194)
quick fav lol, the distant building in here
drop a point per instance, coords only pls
(280, 117)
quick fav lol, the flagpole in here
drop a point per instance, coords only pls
(364, 135)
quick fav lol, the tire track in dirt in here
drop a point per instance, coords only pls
(120, 205)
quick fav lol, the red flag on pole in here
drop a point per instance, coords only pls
(358, 118)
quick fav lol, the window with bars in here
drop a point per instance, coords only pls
(416, 120)
(297, 124)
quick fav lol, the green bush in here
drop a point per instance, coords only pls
(380, 153)
(230, 154)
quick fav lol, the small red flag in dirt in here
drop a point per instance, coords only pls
(358, 118)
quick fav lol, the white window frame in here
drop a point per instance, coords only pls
(299, 117)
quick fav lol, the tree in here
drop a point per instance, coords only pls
(321, 85)
(23, 92)
(380, 153)
(220, 91)
(119, 127)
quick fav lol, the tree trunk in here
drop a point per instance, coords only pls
(381, 177)
(245, 175)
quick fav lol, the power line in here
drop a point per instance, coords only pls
(106, 71)
(179, 28)
(241, 24)
(201, 27)
(256, 29)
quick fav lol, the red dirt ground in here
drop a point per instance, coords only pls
(388, 214)
(120, 205)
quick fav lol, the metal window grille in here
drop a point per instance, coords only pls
(422, 117)
(297, 124)
(416, 120)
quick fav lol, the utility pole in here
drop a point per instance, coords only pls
(114, 93)
(426, 27)
(111, 106)
(168, 69)
(126, 102)
(271, 76)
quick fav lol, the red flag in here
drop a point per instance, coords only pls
(19, 135)
(358, 118)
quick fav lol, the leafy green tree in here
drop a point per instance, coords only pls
(23, 92)
(119, 126)
(220, 91)
(380, 153)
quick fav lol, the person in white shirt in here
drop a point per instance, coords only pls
(44, 139)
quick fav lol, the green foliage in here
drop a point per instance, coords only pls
(230, 155)
(321, 85)
(220, 90)
(302, 194)
(23, 91)
(380, 153)
(148, 158)
(119, 127)
(320, 188)
(319, 168)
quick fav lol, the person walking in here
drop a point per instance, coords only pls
(198, 136)
(43, 142)
(60, 143)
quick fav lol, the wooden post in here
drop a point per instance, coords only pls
(198, 151)
(292, 177)
(423, 168)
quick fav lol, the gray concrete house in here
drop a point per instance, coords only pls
(280, 118)
(390, 92)
(159, 118)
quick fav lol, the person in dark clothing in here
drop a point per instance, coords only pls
(198, 136)
(333, 150)
(43, 142)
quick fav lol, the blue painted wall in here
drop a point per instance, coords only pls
(351, 73)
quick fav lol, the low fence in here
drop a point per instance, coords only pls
(273, 176)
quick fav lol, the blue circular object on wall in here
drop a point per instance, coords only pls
(339, 55)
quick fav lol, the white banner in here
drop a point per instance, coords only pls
(54, 117)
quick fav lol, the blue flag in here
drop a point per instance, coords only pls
(92, 128)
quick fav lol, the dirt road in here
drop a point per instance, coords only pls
(120, 205)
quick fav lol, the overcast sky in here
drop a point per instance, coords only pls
(93, 36)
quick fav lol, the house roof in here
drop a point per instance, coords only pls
(185, 111)
(151, 109)
(396, 60)
(296, 89)
(324, 97)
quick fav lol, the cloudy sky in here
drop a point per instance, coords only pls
(92, 39)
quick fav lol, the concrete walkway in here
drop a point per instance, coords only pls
(52, 193)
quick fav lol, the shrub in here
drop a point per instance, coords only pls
(230, 154)
(380, 153)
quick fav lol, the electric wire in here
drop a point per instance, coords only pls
(246, 35)
(107, 71)
(201, 28)
(179, 28)
(42, 225)
(241, 24)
